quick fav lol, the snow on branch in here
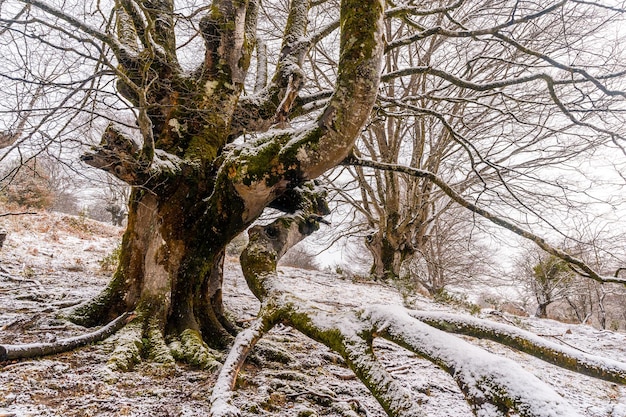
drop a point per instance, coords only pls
(527, 342)
(493, 385)
(221, 397)
(120, 156)
(347, 334)
(578, 265)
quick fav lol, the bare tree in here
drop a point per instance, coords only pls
(204, 159)
(470, 110)
(549, 279)
(452, 254)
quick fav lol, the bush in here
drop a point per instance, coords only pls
(29, 186)
(300, 257)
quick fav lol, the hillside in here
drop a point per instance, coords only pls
(52, 261)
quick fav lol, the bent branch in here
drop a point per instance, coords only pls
(486, 379)
(527, 342)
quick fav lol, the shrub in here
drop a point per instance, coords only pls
(29, 186)
(300, 257)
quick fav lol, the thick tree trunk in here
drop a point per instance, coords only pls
(170, 271)
(387, 257)
(193, 192)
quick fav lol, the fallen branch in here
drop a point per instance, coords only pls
(493, 385)
(17, 214)
(12, 352)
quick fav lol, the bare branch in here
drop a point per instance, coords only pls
(123, 53)
(583, 268)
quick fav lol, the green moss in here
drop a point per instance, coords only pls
(129, 347)
(97, 310)
(155, 345)
(262, 164)
(191, 348)
(330, 337)
(202, 148)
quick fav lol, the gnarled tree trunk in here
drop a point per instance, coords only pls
(192, 191)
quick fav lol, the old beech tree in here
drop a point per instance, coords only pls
(206, 153)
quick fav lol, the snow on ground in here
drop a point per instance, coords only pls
(57, 261)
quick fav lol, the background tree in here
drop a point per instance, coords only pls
(452, 255)
(549, 279)
(471, 111)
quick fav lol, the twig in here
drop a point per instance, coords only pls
(568, 344)
(17, 214)
(16, 279)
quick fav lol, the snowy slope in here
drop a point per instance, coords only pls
(53, 261)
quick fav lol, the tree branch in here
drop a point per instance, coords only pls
(486, 379)
(122, 53)
(583, 269)
(221, 396)
(527, 342)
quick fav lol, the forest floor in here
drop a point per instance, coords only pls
(53, 261)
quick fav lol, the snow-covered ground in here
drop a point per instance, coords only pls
(53, 261)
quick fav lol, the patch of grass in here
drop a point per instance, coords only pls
(446, 297)
(109, 262)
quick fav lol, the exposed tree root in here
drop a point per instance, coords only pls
(190, 347)
(346, 334)
(486, 379)
(143, 338)
(12, 352)
(221, 397)
(527, 342)
(156, 346)
(128, 347)
(493, 385)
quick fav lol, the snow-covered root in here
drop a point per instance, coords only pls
(390, 394)
(12, 352)
(144, 338)
(223, 390)
(565, 357)
(492, 384)
(351, 337)
(346, 334)
(128, 347)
